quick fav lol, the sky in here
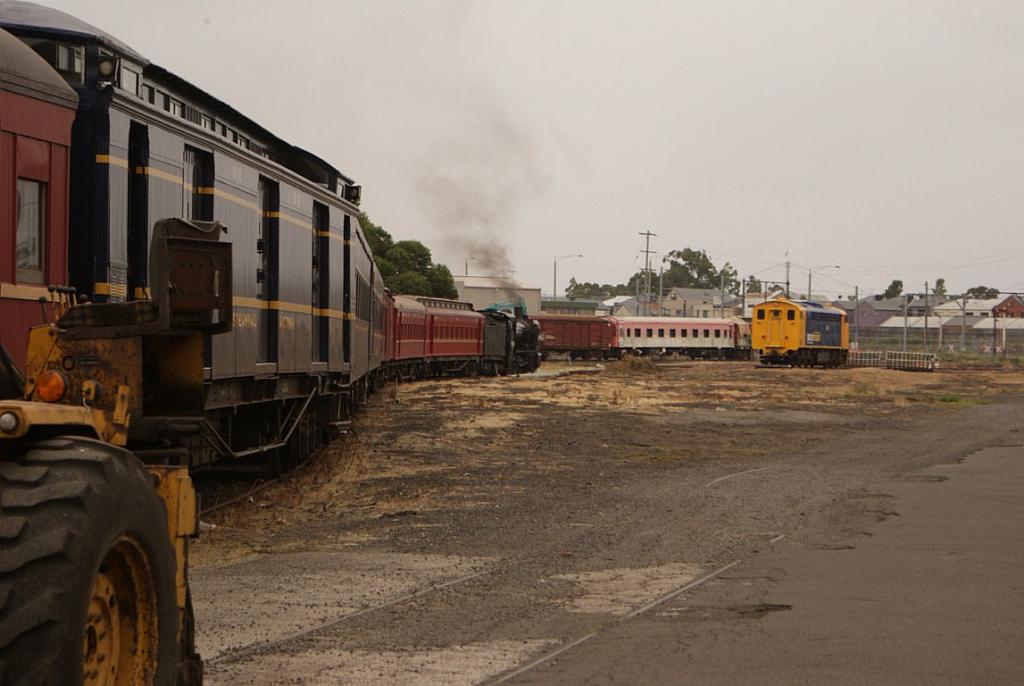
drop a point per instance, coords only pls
(882, 137)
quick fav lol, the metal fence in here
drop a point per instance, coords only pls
(893, 359)
(974, 341)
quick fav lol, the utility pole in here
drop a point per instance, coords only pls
(926, 316)
(856, 317)
(810, 271)
(721, 285)
(647, 267)
(906, 301)
(995, 332)
(554, 280)
(787, 278)
(467, 264)
(661, 290)
(963, 321)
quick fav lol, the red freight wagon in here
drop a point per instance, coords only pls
(37, 108)
(581, 337)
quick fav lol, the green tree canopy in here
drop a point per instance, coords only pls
(940, 287)
(754, 285)
(586, 289)
(894, 289)
(406, 266)
(982, 292)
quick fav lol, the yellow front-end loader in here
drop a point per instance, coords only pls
(96, 504)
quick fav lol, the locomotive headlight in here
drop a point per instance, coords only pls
(9, 422)
(106, 66)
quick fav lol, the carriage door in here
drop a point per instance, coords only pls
(138, 212)
(775, 327)
(266, 272)
(197, 203)
(321, 281)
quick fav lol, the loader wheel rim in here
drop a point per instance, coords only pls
(121, 627)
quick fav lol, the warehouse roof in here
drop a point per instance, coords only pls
(505, 282)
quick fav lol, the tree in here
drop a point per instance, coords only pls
(894, 289)
(442, 285)
(406, 266)
(754, 285)
(940, 287)
(380, 240)
(982, 293)
(587, 289)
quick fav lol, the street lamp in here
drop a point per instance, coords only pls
(554, 280)
(468, 260)
(810, 270)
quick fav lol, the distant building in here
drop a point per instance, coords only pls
(579, 307)
(1009, 306)
(482, 291)
(700, 302)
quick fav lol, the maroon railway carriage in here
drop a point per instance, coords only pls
(36, 110)
(433, 336)
(409, 330)
(581, 337)
(455, 331)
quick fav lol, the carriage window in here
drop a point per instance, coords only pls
(129, 80)
(650, 333)
(671, 333)
(760, 314)
(791, 315)
(661, 333)
(636, 333)
(707, 333)
(682, 333)
(31, 224)
(718, 333)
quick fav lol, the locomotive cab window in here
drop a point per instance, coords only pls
(68, 60)
(760, 314)
(791, 315)
(30, 234)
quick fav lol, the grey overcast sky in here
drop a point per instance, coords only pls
(883, 136)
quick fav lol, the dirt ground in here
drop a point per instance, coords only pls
(558, 500)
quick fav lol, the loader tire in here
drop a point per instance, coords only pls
(87, 572)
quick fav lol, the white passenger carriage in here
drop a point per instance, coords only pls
(693, 337)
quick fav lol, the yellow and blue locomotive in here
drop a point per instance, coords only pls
(800, 333)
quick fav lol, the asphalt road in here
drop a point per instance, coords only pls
(877, 549)
(931, 594)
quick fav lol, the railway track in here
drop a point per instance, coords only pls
(561, 650)
(252, 649)
(220, 504)
(236, 654)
